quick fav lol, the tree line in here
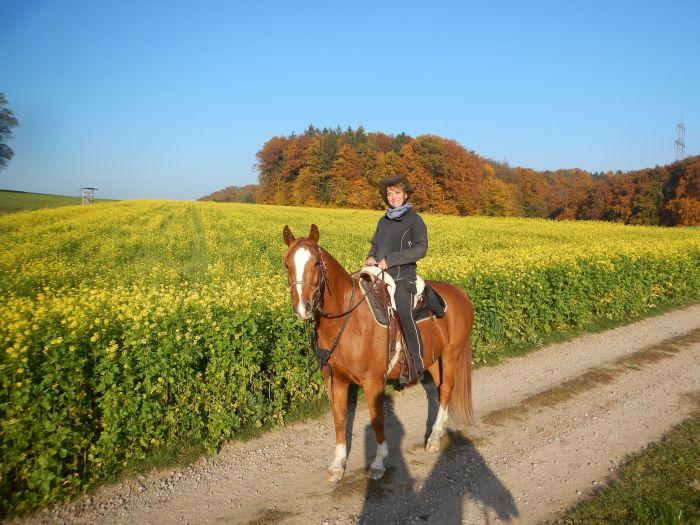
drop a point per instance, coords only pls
(342, 168)
(245, 194)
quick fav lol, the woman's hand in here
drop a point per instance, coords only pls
(371, 261)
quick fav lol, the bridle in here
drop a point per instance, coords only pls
(318, 296)
(322, 355)
(317, 300)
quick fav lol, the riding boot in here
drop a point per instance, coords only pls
(404, 295)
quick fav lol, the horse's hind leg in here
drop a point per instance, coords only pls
(442, 372)
(340, 412)
(374, 392)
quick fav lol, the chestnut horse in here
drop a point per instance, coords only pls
(322, 290)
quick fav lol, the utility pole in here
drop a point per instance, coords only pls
(680, 140)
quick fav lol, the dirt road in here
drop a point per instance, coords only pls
(551, 427)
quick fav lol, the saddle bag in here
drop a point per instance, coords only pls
(433, 302)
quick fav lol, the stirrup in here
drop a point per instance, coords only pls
(409, 376)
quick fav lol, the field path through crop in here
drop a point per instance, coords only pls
(551, 426)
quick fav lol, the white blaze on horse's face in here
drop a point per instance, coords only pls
(302, 308)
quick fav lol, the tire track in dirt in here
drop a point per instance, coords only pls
(551, 427)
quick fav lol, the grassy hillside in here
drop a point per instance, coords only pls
(13, 201)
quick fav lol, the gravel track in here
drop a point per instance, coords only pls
(551, 427)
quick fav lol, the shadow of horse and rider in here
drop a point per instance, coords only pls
(460, 473)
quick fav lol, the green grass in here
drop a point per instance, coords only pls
(660, 485)
(14, 201)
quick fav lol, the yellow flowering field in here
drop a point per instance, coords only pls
(131, 325)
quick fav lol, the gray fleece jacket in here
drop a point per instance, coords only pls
(401, 242)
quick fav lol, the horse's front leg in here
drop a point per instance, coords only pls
(339, 399)
(374, 392)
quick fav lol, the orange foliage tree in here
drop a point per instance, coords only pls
(497, 197)
(685, 204)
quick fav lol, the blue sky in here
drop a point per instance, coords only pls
(172, 99)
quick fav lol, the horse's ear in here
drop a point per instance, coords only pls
(313, 234)
(287, 235)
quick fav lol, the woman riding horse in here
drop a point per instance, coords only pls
(355, 347)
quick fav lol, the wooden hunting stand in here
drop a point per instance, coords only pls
(88, 195)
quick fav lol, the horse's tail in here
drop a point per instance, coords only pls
(461, 409)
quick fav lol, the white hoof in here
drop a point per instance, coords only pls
(337, 467)
(375, 473)
(334, 475)
(433, 445)
(377, 468)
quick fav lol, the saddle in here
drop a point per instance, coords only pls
(379, 288)
(427, 302)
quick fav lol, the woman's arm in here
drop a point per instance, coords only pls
(371, 261)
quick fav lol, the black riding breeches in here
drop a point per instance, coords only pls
(404, 295)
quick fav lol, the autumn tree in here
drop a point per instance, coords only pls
(648, 199)
(270, 165)
(408, 162)
(294, 160)
(346, 171)
(597, 205)
(497, 197)
(533, 194)
(306, 190)
(463, 180)
(571, 192)
(685, 204)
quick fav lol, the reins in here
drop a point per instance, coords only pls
(323, 355)
(351, 308)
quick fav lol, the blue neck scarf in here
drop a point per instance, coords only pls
(399, 211)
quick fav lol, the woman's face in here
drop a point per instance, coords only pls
(395, 195)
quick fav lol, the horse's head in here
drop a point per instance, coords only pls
(305, 271)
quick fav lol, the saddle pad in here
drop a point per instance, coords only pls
(378, 310)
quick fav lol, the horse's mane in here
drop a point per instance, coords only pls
(329, 260)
